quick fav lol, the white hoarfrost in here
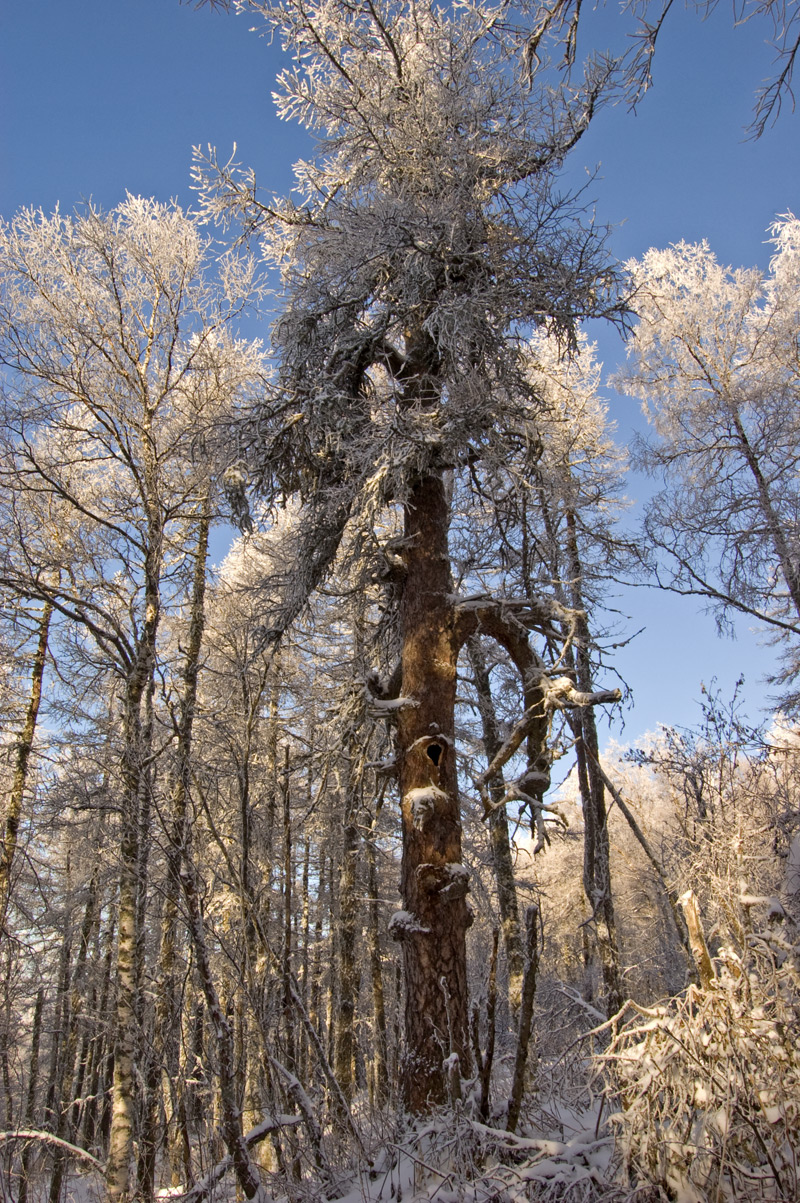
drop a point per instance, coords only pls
(403, 924)
(390, 705)
(714, 360)
(423, 801)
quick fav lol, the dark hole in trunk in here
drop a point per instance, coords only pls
(435, 752)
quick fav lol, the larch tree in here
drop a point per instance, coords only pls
(575, 487)
(714, 359)
(115, 339)
(547, 529)
(430, 232)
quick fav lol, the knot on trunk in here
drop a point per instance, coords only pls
(403, 925)
(425, 804)
(450, 882)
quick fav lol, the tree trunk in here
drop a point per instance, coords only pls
(246, 1171)
(434, 884)
(380, 1082)
(20, 778)
(30, 1102)
(348, 976)
(164, 1054)
(121, 1138)
(597, 850)
(498, 831)
(288, 878)
(135, 758)
(532, 952)
(100, 1047)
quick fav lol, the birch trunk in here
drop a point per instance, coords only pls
(165, 1054)
(137, 734)
(30, 1101)
(21, 763)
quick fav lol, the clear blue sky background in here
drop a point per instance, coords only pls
(100, 97)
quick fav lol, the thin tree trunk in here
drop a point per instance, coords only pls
(100, 1047)
(790, 564)
(485, 1058)
(348, 914)
(19, 781)
(122, 1106)
(671, 894)
(30, 1102)
(332, 960)
(315, 1008)
(597, 849)
(305, 925)
(498, 830)
(380, 1083)
(525, 1015)
(137, 733)
(70, 1021)
(230, 1119)
(286, 960)
(52, 1105)
(164, 1053)
(56, 1103)
(128, 938)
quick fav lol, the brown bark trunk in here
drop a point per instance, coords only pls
(434, 883)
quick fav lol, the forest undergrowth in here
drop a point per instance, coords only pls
(692, 1099)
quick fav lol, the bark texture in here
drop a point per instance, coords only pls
(502, 859)
(22, 759)
(433, 924)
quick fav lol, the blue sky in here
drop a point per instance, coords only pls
(100, 97)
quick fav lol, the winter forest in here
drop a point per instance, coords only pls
(323, 874)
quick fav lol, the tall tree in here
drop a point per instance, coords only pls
(575, 485)
(430, 229)
(714, 359)
(115, 339)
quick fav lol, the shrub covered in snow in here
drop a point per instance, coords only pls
(709, 1085)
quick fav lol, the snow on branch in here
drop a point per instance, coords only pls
(558, 694)
(561, 694)
(50, 1139)
(201, 1189)
(403, 924)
